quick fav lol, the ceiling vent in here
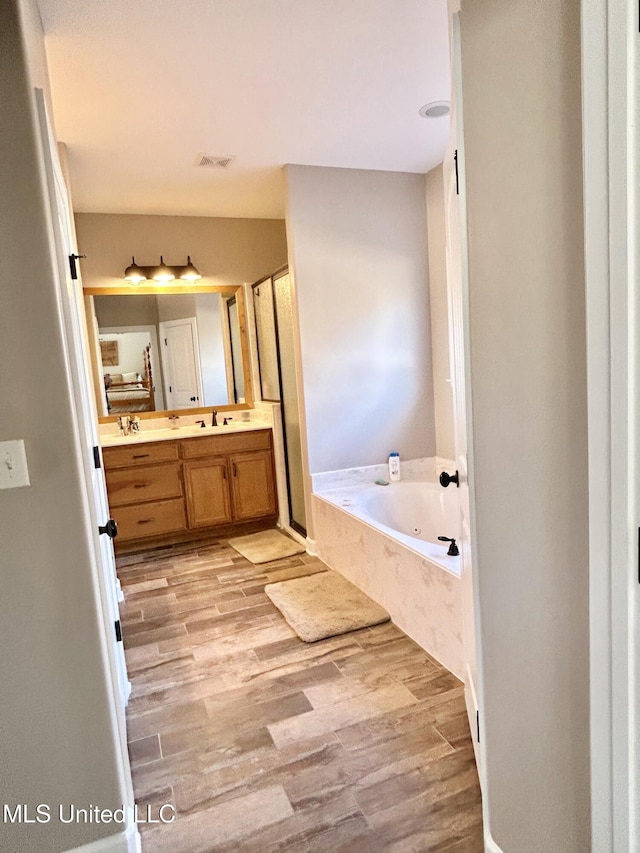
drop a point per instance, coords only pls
(214, 161)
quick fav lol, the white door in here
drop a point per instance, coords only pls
(457, 292)
(70, 301)
(181, 363)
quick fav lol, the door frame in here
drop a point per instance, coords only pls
(609, 41)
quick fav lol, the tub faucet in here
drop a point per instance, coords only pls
(453, 551)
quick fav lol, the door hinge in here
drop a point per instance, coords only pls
(96, 457)
(166, 342)
(118, 628)
(455, 160)
(73, 267)
(170, 391)
(478, 725)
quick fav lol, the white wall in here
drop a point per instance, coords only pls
(522, 119)
(442, 388)
(357, 249)
(211, 345)
(58, 741)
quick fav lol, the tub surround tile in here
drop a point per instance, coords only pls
(411, 469)
(422, 599)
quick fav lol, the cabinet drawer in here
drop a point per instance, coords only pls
(226, 443)
(150, 519)
(144, 483)
(140, 454)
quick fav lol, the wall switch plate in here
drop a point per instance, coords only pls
(13, 465)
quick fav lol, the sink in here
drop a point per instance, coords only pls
(186, 431)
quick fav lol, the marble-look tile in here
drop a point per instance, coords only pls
(423, 599)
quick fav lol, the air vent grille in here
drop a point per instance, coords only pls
(214, 161)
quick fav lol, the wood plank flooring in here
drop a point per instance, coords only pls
(263, 743)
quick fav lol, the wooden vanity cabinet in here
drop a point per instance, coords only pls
(206, 484)
(254, 493)
(203, 485)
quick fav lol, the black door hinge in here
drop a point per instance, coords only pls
(170, 389)
(96, 457)
(455, 160)
(478, 725)
(118, 628)
(73, 267)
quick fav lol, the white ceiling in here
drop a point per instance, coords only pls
(140, 87)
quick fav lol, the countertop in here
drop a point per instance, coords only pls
(170, 434)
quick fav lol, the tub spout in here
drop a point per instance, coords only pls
(453, 548)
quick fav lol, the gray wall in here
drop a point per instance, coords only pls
(522, 118)
(58, 742)
(442, 388)
(141, 310)
(358, 251)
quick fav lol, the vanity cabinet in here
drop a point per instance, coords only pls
(207, 492)
(203, 485)
(252, 483)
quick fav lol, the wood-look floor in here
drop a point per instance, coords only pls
(263, 743)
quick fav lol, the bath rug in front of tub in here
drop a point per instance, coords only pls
(324, 605)
(266, 546)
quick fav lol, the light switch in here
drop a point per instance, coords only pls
(13, 465)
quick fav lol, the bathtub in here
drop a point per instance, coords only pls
(384, 539)
(413, 513)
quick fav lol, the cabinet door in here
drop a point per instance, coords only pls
(254, 493)
(207, 489)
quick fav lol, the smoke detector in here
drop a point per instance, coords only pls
(214, 161)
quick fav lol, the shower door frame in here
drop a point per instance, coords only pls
(610, 72)
(302, 531)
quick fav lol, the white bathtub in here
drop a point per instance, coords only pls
(369, 534)
(413, 513)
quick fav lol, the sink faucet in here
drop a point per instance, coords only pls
(214, 422)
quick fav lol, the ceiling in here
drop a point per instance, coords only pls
(141, 87)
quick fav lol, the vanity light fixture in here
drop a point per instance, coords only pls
(134, 273)
(163, 273)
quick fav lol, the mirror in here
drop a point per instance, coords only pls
(168, 349)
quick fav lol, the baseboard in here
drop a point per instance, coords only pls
(122, 842)
(490, 845)
(312, 547)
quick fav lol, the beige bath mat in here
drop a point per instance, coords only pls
(324, 605)
(266, 546)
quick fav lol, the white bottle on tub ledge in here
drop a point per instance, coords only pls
(394, 466)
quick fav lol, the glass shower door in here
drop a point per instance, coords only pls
(276, 358)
